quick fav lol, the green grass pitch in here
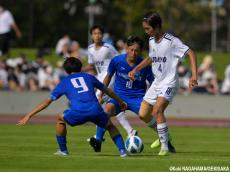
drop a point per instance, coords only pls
(30, 149)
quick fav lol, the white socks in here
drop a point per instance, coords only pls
(153, 124)
(121, 117)
(162, 130)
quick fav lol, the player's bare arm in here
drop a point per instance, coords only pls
(44, 104)
(88, 68)
(147, 61)
(193, 63)
(17, 31)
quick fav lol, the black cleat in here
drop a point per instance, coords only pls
(96, 144)
(171, 147)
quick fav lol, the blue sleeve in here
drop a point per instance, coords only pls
(99, 85)
(112, 67)
(58, 91)
(149, 77)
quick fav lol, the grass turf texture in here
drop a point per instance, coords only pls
(30, 148)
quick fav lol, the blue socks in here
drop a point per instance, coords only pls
(62, 143)
(118, 140)
(100, 132)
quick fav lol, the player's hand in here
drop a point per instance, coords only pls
(192, 82)
(100, 97)
(123, 106)
(23, 121)
(131, 74)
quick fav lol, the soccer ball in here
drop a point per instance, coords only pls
(134, 144)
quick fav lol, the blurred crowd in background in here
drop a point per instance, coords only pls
(19, 74)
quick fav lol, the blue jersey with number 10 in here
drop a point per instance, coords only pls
(125, 87)
(79, 90)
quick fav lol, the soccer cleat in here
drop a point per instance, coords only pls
(123, 153)
(157, 144)
(96, 144)
(133, 133)
(171, 147)
(88, 140)
(62, 153)
(163, 152)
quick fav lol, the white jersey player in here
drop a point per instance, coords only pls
(165, 56)
(99, 56)
(164, 52)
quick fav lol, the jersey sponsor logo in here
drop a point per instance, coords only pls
(159, 59)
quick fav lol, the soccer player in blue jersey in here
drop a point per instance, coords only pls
(99, 56)
(79, 87)
(132, 92)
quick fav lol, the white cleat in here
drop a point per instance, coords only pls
(61, 153)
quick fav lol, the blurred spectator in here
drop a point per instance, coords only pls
(21, 76)
(184, 76)
(225, 89)
(3, 76)
(31, 78)
(59, 72)
(121, 46)
(207, 77)
(62, 45)
(13, 82)
(107, 38)
(74, 50)
(6, 24)
(45, 78)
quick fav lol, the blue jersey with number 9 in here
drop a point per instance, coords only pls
(79, 88)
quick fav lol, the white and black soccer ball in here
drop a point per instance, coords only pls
(134, 144)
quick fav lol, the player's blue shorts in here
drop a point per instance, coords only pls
(73, 117)
(133, 104)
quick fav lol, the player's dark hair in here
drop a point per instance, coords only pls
(97, 27)
(131, 40)
(72, 65)
(153, 19)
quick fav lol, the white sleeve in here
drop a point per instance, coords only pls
(151, 54)
(113, 51)
(90, 58)
(179, 49)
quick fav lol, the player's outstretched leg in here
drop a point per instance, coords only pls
(96, 141)
(121, 117)
(61, 136)
(157, 144)
(117, 138)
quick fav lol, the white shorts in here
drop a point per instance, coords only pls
(111, 85)
(168, 92)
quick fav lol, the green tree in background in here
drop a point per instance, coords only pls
(43, 22)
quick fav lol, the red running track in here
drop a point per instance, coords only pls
(183, 122)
